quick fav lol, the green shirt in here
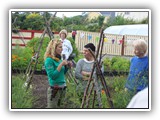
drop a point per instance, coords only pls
(54, 76)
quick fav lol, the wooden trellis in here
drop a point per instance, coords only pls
(32, 67)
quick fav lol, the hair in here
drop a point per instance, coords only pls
(91, 46)
(50, 50)
(63, 32)
(141, 47)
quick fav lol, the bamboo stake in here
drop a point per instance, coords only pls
(88, 83)
(31, 69)
(94, 99)
(103, 80)
(87, 101)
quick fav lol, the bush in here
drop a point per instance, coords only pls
(117, 64)
(21, 58)
(119, 97)
(34, 44)
(107, 64)
(75, 50)
(120, 65)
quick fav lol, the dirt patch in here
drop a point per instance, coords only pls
(40, 86)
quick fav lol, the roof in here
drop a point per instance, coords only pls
(136, 29)
(109, 14)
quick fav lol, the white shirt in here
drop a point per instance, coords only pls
(140, 100)
(67, 48)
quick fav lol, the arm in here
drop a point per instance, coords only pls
(71, 48)
(85, 75)
(66, 69)
(67, 48)
(78, 70)
(79, 74)
(51, 70)
(64, 62)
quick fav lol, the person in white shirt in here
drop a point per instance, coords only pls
(140, 100)
(67, 47)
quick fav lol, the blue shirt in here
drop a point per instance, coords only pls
(139, 74)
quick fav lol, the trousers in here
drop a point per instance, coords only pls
(58, 101)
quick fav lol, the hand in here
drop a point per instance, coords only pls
(70, 64)
(64, 62)
(87, 74)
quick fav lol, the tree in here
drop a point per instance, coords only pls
(119, 20)
(100, 20)
(145, 21)
(34, 21)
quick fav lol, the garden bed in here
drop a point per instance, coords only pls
(40, 86)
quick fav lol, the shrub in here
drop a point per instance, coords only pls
(75, 50)
(21, 58)
(34, 44)
(120, 64)
(117, 64)
(107, 64)
(119, 97)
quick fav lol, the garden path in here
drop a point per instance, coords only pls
(40, 86)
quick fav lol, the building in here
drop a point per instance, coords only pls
(137, 16)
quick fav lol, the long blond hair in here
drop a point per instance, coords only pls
(50, 50)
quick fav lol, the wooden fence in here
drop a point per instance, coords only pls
(113, 44)
(23, 36)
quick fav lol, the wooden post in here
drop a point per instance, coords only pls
(122, 49)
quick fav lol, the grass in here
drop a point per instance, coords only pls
(20, 98)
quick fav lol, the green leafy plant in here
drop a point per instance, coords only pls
(20, 98)
(107, 64)
(117, 64)
(75, 50)
(120, 64)
(21, 58)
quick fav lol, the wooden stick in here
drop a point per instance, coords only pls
(102, 80)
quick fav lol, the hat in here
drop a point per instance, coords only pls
(63, 31)
(91, 46)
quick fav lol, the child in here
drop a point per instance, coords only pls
(138, 74)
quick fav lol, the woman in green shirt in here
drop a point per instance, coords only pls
(56, 69)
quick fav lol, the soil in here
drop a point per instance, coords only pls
(40, 86)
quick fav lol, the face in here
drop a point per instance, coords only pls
(63, 36)
(136, 51)
(59, 49)
(86, 53)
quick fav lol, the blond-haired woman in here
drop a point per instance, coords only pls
(139, 69)
(56, 70)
